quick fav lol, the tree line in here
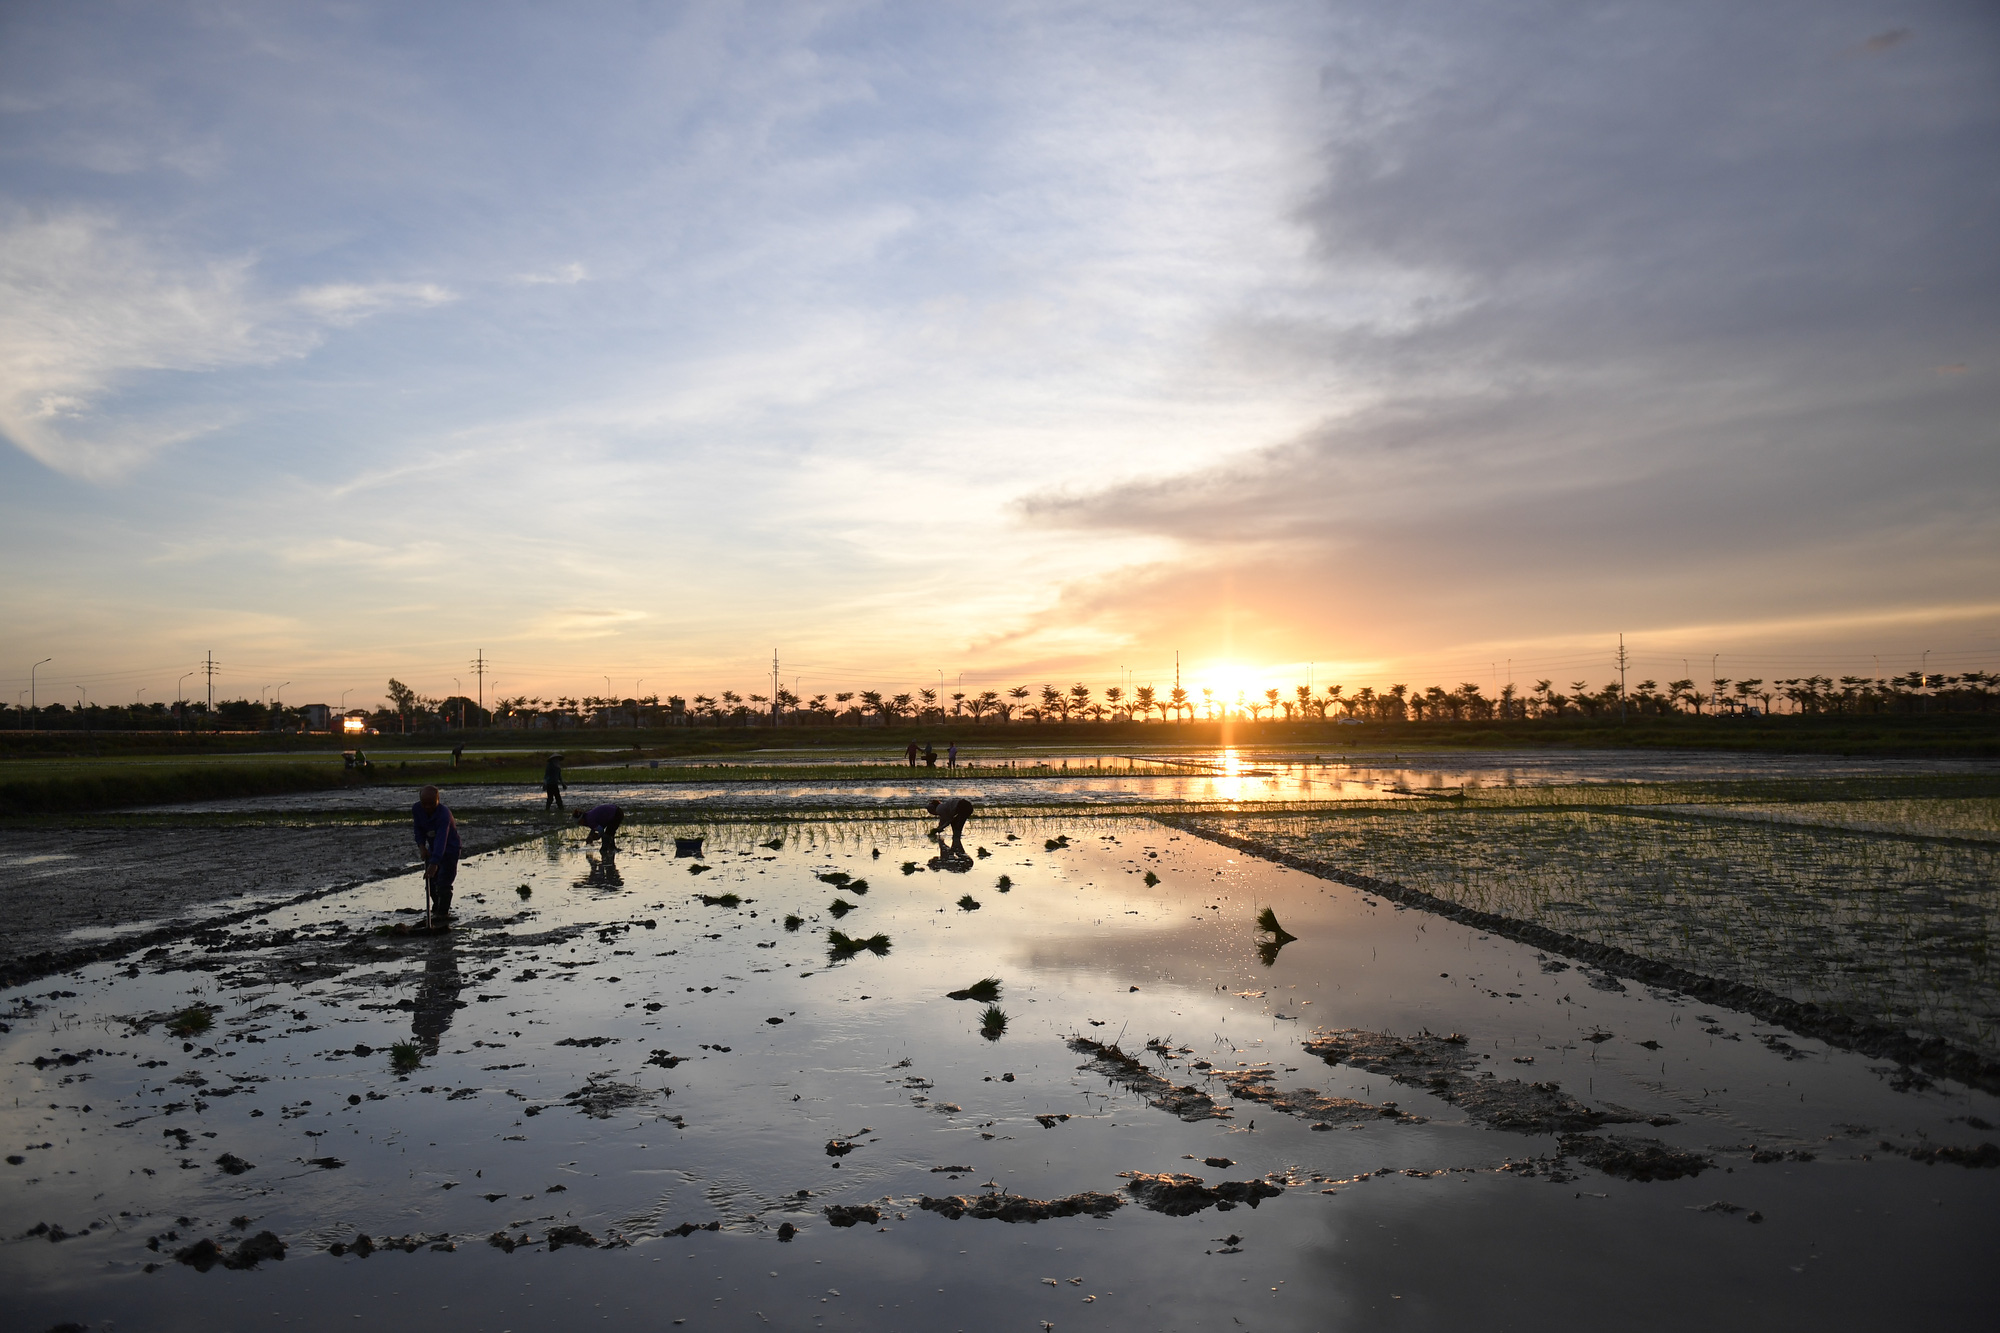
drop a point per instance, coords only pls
(408, 710)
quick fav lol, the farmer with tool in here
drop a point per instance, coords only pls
(552, 784)
(951, 812)
(438, 844)
(602, 821)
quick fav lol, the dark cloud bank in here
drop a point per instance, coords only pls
(1712, 336)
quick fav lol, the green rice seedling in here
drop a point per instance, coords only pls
(719, 900)
(1268, 920)
(968, 903)
(191, 1021)
(985, 990)
(1056, 844)
(1004, 883)
(840, 908)
(525, 890)
(841, 946)
(857, 886)
(776, 844)
(983, 853)
(909, 867)
(993, 1022)
(405, 1056)
(875, 853)
(1151, 879)
(793, 921)
(699, 869)
(834, 877)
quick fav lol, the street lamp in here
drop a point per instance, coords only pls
(32, 709)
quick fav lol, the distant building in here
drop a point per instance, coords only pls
(317, 717)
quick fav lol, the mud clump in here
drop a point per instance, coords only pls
(1179, 1195)
(205, 1254)
(1189, 1103)
(234, 1165)
(602, 1096)
(571, 1235)
(1308, 1103)
(1440, 1065)
(689, 1228)
(847, 1215)
(1634, 1159)
(1985, 1155)
(1018, 1208)
(364, 1245)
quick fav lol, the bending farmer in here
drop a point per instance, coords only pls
(951, 812)
(438, 844)
(602, 821)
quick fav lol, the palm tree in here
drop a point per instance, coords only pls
(929, 698)
(1054, 702)
(1178, 701)
(1144, 702)
(1208, 703)
(901, 704)
(872, 701)
(957, 704)
(1115, 696)
(979, 705)
(1271, 702)
(1079, 698)
(1019, 694)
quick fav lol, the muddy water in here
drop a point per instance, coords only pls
(538, 1021)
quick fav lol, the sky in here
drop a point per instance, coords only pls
(626, 344)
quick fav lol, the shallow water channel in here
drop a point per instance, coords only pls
(610, 1054)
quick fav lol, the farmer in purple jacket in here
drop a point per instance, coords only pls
(602, 821)
(438, 844)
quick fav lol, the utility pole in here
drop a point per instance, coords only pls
(1714, 704)
(1622, 660)
(774, 689)
(209, 668)
(479, 670)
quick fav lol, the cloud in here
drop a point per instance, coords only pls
(1699, 292)
(92, 313)
(345, 303)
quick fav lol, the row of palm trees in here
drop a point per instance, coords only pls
(1468, 702)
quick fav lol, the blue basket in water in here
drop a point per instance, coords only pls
(687, 846)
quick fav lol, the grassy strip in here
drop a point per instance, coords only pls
(153, 785)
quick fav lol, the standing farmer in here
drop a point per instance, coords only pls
(910, 753)
(552, 784)
(438, 844)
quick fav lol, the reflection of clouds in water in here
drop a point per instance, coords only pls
(437, 992)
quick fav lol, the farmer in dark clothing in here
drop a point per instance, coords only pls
(951, 812)
(602, 821)
(910, 753)
(553, 784)
(438, 844)
(930, 756)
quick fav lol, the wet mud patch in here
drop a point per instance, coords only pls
(1186, 1102)
(1633, 1158)
(1254, 1085)
(1019, 1208)
(603, 1096)
(1180, 1195)
(1442, 1066)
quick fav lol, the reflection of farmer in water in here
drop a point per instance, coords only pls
(602, 821)
(552, 784)
(603, 874)
(951, 812)
(438, 844)
(437, 994)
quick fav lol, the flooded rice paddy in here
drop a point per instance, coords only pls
(650, 1091)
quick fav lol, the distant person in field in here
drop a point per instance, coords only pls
(552, 784)
(438, 844)
(951, 755)
(951, 812)
(930, 756)
(602, 821)
(910, 753)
